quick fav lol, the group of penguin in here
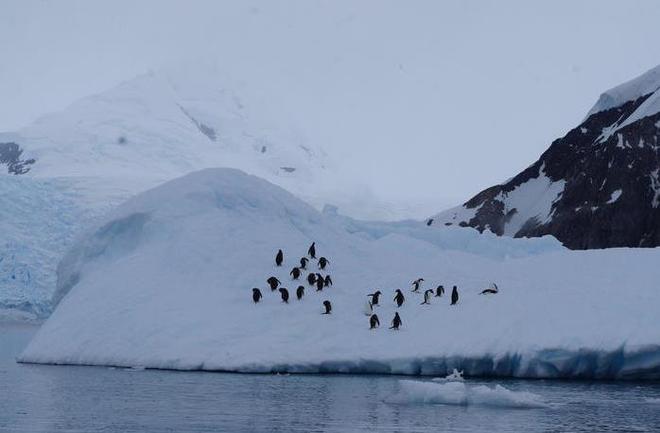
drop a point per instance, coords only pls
(314, 279)
(319, 281)
(399, 299)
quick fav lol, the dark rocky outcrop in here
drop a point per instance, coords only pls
(10, 155)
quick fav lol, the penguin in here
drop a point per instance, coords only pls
(285, 295)
(416, 284)
(429, 222)
(328, 307)
(439, 291)
(327, 281)
(273, 283)
(368, 309)
(319, 284)
(492, 289)
(396, 322)
(399, 298)
(300, 292)
(279, 258)
(256, 295)
(427, 297)
(323, 262)
(303, 262)
(319, 276)
(312, 250)
(454, 295)
(374, 322)
(375, 297)
(295, 273)
(311, 279)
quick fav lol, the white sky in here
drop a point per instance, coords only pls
(419, 99)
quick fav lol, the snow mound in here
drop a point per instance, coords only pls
(165, 281)
(463, 394)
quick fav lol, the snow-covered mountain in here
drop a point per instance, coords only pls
(596, 187)
(165, 281)
(61, 172)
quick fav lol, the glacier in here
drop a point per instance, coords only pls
(164, 281)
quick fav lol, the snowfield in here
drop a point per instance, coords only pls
(165, 281)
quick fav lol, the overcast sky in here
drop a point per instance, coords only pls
(419, 99)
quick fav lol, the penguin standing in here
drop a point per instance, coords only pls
(454, 295)
(328, 307)
(429, 222)
(416, 284)
(295, 273)
(323, 262)
(285, 295)
(399, 298)
(327, 281)
(279, 258)
(256, 295)
(396, 322)
(373, 321)
(273, 283)
(375, 296)
(319, 284)
(427, 297)
(300, 292)
(312, 250)
(311, 279)
(368, 309)
(303, 262)
(439, 291)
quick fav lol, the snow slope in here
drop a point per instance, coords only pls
(165, 281)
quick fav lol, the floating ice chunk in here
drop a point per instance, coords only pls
(462, 394)
(455, 376)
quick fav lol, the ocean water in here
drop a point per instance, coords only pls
(35, 398)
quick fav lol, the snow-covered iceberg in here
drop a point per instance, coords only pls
(165, 281)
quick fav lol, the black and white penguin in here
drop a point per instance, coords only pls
(295, 273)
(328, 307)
(396, 322)
(311, 279)
(399, 298)
(323, 262)
(429, 222)
(327, 281)
(319, 284)
(312, 250)
(374, 322)
(416, 284)
(303, 262)
(285, 295)
(439, 291)
(375, 296)
(427, 296)
(300, 292)
(319, 276)
(279, 258)
(491, 290)
(273, 283)
(256, 295)
(454, 295)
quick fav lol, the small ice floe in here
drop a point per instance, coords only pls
(461, 394)
(455, 376)
(652, 400)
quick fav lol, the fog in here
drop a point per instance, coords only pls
(420, 100)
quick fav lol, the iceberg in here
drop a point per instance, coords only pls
(165, 281)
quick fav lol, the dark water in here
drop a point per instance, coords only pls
(91, 399)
